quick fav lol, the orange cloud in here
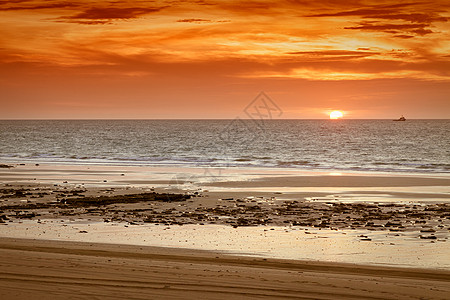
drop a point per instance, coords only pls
(196, 49)
(98, 15)
(193, 21)
(32, 5)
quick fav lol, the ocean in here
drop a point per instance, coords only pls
(341, 145)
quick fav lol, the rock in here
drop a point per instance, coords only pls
(430, 237)
(428, 230)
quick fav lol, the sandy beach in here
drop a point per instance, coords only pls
(143, 232)
(60, 270)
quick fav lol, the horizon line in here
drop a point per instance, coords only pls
(200, 119)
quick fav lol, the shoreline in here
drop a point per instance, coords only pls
(205, 173)
(218, 169)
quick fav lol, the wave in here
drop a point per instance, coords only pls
(228, 163)
(296, 163)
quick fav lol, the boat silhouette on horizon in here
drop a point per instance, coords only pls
(402, 118)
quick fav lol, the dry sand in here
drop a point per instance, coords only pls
(59, 270)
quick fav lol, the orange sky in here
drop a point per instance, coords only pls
(209, 59)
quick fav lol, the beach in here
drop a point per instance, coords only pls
(224, 150)
(271, 233)
(59, 270)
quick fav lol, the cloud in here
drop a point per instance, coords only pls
(419, 29)
(99, 15)
(403, 36)
(156, 61)
(36, 6)
(389, 12)
(280, 39)
(311, 65)
(250, 7)
(337, 53)
(425, 18)
(96, 13)
(86, 12)
(200, 21)
(404, 20)
(194, 21)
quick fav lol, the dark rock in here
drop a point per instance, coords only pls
(430, 237)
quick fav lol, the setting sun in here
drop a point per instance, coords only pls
(336, 114)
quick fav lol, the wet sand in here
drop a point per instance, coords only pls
(59, 270)
(336, 181)
(359, 246)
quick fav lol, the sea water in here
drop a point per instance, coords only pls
(355, 145)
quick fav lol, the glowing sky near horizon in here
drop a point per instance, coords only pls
(209, 59)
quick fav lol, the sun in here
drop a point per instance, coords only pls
(336, 115)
